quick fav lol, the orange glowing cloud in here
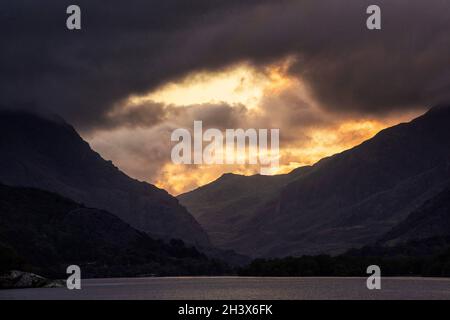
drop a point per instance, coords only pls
(247, 98)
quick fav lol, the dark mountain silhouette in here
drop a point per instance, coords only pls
(226, 204)
(48, 154)
(432, 219)
(43, 232)
(347, 200)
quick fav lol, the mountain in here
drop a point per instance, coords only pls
(44, 232)
(432, 219)
(347, 200)
(225, 204)
(47, 153)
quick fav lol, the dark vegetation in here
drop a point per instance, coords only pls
(429, 257)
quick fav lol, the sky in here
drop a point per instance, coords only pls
(137, 70)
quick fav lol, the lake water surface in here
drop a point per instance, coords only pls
(242, 288)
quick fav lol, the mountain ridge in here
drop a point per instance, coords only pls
(47, 153)
(43, 232)
(348, 199)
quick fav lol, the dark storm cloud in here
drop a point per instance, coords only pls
(124, 47)
(130, 47)
(141, 115)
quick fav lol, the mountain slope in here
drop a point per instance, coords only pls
(225, 204)
(45, 233)
(432, 219)
(349, 199)
(49, 154)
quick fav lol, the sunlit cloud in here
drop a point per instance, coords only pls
(241, 96)
(240, 84)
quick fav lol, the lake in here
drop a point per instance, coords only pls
(242, 288)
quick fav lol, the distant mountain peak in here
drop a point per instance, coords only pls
(346, 200)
